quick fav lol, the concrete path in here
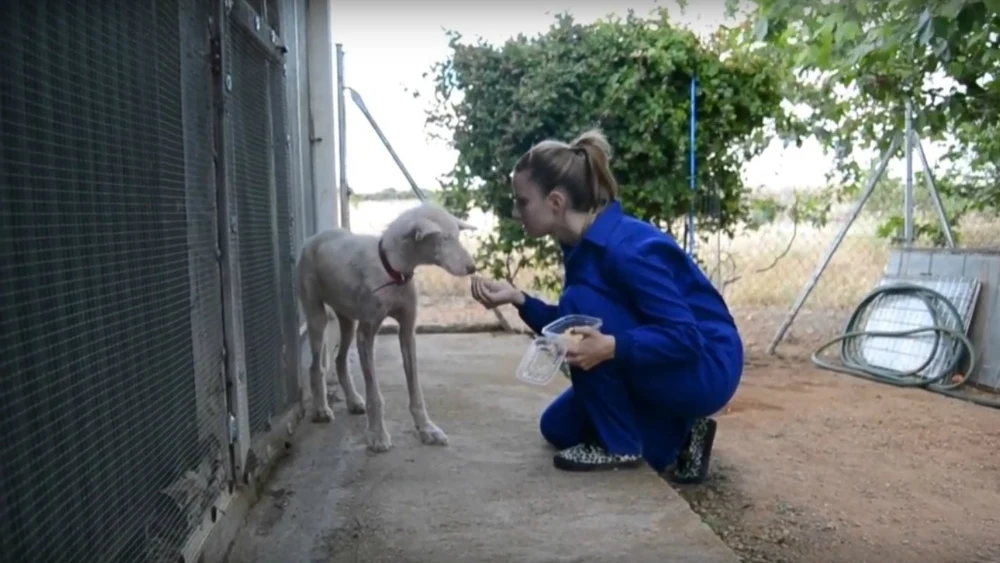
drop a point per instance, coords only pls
(492, 495)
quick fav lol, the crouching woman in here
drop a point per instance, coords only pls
(668, 354)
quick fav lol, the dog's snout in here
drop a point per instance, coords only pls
(470, 269)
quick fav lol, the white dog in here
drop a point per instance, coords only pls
(365, 279)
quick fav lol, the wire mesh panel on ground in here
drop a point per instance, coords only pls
(111, 403)
(261, 223)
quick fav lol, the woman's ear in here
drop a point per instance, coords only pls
(557, 200)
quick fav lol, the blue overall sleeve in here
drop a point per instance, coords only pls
(536, 313)
(668, 333)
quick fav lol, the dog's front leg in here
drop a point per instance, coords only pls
(378, 437)
(429, 432)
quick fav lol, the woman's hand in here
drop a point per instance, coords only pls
(593, 349)
(493, 293)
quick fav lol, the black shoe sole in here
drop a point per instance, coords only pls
(702, 437)
(568, 465)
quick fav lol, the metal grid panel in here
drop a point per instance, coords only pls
(100, 436)
(252, 182)
(283, 200)
(901, 312)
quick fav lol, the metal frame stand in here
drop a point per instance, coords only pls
(911, 141)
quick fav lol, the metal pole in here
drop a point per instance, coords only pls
(358, 101)
(720, 278)
(693, 164)
(908, 193)
(345, 190)
(935, 195)
(811, 284)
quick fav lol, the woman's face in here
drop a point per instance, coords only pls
(538, 214)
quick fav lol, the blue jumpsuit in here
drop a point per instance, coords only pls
(678, 353)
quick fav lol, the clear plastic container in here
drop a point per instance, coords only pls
(541, 361)
(562, 324)
(547, 354)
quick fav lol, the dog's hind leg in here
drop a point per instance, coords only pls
(324, 366)
(429, 432)
(378, 437)
(355, 404)
(316, 326)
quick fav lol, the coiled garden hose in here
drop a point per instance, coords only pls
(961, 356)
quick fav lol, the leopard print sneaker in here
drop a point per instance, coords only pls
(693, 460)
(589, 457)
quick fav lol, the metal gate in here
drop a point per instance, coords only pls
(146, 304)
(255, 92)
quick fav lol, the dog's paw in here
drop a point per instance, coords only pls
(433, 436)
(356, 405)
(379, 442)
(323, 415)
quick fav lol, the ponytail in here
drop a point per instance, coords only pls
(593, 146)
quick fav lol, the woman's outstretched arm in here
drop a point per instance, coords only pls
(535, 313)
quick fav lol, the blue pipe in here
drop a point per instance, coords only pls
(693, 165)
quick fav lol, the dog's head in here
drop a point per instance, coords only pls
(434, 233)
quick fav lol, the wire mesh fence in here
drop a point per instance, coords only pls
(116, 402)
(764, 269)
(761, 268)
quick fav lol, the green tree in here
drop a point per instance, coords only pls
(858, 61)
(631, 77)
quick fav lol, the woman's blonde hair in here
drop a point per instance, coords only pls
(582, 168)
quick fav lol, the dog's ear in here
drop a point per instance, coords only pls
(424, 228)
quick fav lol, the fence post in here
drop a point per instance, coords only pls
(908, 203)
(274, 185)
(300, 181)
(344, 193)
(233, 351)
(692, 164)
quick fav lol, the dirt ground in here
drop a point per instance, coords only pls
(810, 465)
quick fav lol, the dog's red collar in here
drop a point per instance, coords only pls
(398, 278)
